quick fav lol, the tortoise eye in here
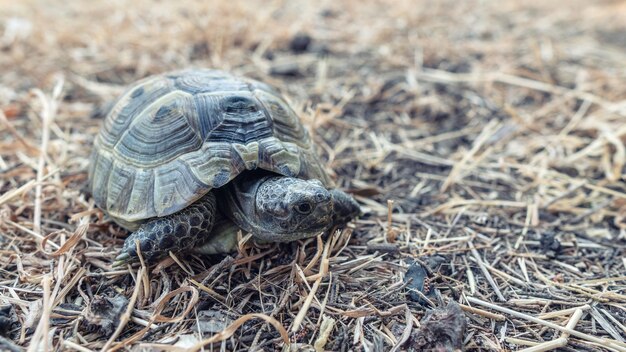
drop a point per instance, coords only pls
(304, 208)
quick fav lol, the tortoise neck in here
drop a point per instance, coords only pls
(237, 199)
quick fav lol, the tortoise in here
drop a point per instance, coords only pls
(184, 159)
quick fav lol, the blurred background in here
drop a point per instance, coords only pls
(362, 65)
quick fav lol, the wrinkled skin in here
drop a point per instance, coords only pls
(291, 208)
(273, 208)
(282, 209)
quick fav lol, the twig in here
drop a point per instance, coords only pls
(75, 346)
(445, 76)
(483, 268)
(561, 341)
(47, 115)
(608, 343)
(559, 313)
(478, 143)
(31, 149)
(127, 314)
(390, 233)
(41, 333)
(408, 317)
(484, 313)
(305, 306)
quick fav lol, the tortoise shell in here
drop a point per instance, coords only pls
(171, 138)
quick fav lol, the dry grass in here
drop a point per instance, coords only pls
(498, 129)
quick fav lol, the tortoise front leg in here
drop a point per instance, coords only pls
(177, 232)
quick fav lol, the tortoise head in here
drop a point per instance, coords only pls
(288, 208)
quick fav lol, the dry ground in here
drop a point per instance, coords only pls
(498, 130)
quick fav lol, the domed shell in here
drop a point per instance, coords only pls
(171, 138)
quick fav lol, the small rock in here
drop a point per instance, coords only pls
(211, 321)
(289, 69)
(8, 320)
(549, 244)
(103, 314)
(300, 43)
(441, 330)
(435, 261)
(269, 55)
(200, 50)
(417, 280)
(329, 13)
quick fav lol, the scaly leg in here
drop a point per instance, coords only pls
(178, 232)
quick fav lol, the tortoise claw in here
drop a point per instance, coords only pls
(121, 260)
